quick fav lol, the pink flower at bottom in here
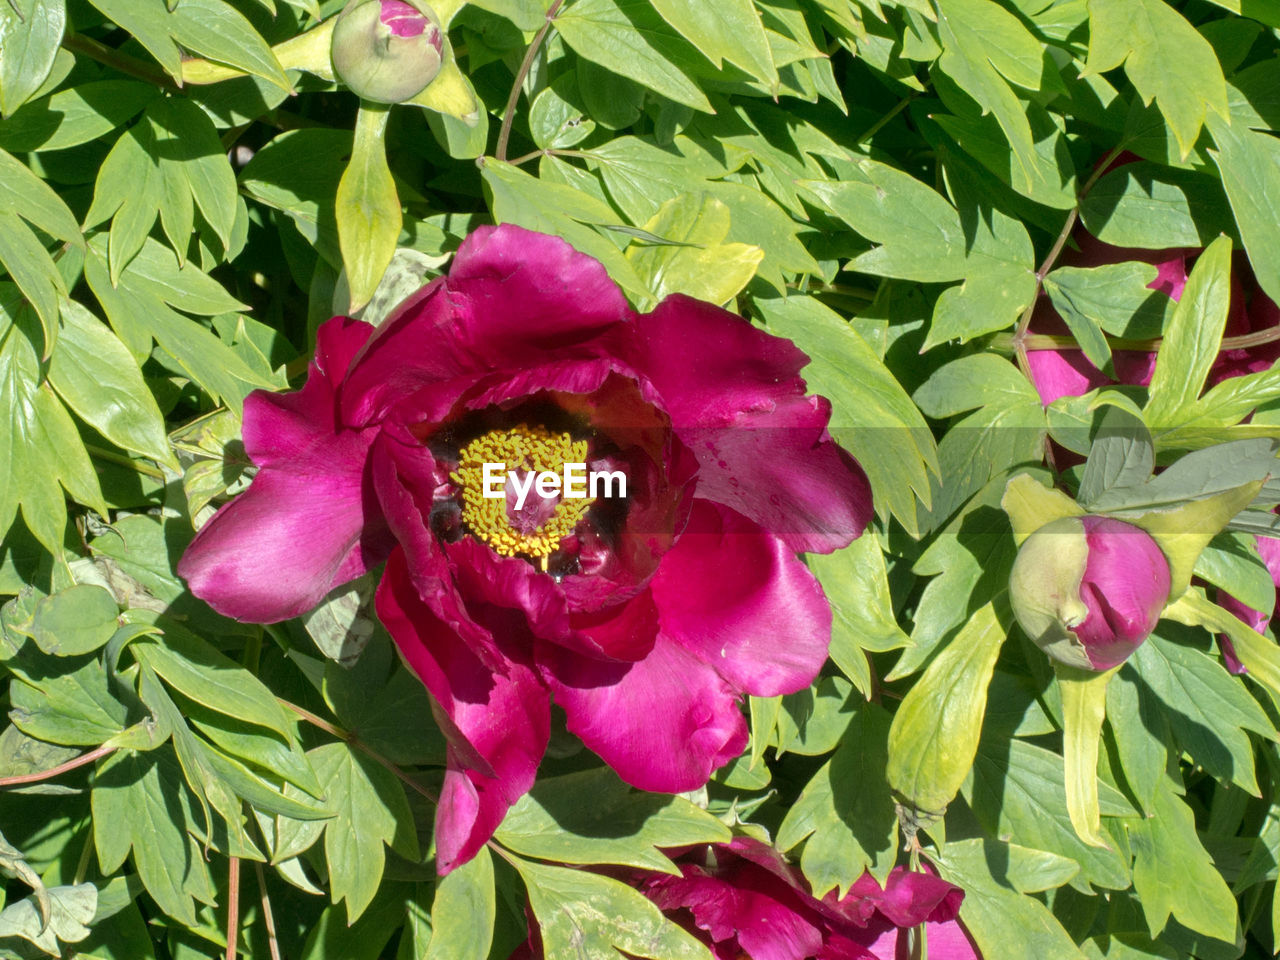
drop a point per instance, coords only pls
(743, 900)
(647, 616)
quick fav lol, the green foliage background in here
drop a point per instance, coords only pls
(185, 194)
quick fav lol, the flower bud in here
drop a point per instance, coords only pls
(387, 50)
(1088, 590)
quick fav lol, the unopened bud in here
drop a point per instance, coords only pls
(387, 50)
(1089, 590)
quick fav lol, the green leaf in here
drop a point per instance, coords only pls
(463, 912)
(65, 918)
(77, 620)
(846, 811)
(98, 379)
(619, 826)
(627, 37)
(1248, 161)
(1165, 58)
(190, 153)
(1019, 792)
(75, 116)
(148, 22)
(857, 587)
(922, 237)
(30, 34)
(1166, 846)
(1153, 207)
(1084, 708)
(984, 48)
(139, 311)
(871, 415)
(1115, 298)
(220, 32)
(697, 263)
(728, 30)
(63, 702)
(935, 732)
(1231, 562)
(1122, 455)
(1141, 731)
(33, 270)
(1003, 921)
(1190, 345)
(141, 803)
(592, 917)
(38, 441)
(1208, 710)
(369, 809)
(368, 208)
(195, 668)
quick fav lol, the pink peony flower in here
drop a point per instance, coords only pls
(645, 616)
(743, 900)
(1089, 590)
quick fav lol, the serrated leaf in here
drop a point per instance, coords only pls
(1115, 297)
(922, 237)
(984, 48)
(1167, 845)
(75, 116)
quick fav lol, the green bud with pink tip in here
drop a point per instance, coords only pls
(387, 51)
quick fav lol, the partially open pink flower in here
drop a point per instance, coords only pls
(743, 900)
(648, 615)
(1089, 590)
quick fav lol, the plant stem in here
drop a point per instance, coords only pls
(268, 918)
(880, 124)
(233, 906)
(508, 114)
(1048, 341)
(1024, 321)
(111, 457)
(72, 764)
(110, 57)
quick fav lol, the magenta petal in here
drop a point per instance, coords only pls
(947, 941)
(503, 719)
(736, 908)
(1125, 587)
(309, 521)
(514, 299)
(735, 397)
(663, 723)
(736, 597)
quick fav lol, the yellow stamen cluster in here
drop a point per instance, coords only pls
(525, 448)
